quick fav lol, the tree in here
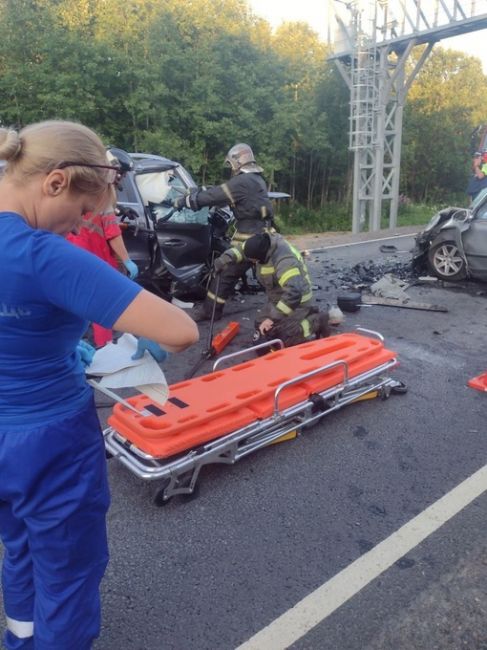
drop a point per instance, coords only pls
(445, 103)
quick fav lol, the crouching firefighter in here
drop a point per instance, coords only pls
(289, 314)
(246, 193)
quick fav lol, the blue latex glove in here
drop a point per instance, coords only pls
(132, 269)
(154, 349)
(86, 353)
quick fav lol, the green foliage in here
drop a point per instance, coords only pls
(416, 214)
(445, 104)
(295, 219)
(190, 79)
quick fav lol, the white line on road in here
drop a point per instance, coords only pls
(319, 604)
(357, 243)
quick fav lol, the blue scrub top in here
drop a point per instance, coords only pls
(49, 291)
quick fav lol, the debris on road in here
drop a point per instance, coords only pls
(407, 304)
(363, 275)
(479, 382)
(388, 291)
(390, 287)
(352, 302)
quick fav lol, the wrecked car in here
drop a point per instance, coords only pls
(173, 249)
(453, 246)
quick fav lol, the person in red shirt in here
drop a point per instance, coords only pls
(100, 234)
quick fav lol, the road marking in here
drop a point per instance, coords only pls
(319, 604)
(357, 243)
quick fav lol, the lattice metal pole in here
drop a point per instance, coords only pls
(378, 95)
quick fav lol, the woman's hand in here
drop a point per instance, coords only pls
(132, 268)
(154, 349)
(86, 353)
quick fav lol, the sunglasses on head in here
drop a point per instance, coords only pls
(113, 174)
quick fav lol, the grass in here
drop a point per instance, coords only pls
(295, 219)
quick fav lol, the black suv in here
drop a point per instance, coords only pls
(174, 250)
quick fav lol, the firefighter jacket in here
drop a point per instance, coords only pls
(284, 276)
(246, 193)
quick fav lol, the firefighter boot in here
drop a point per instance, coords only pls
(324, 327)
(320, 325)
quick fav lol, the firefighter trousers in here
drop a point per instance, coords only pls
(304, 324)
(53, 500)
(229, 277)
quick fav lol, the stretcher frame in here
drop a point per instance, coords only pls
(179, 475)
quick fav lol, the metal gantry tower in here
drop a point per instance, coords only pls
(372, 46)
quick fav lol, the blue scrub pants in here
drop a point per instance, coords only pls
(53, 501)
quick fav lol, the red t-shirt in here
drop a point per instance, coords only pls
(95, 233)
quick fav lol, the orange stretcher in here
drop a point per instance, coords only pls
(228, 413)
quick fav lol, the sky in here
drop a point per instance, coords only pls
(315, 12)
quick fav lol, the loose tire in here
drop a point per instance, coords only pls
(349, 302)
(446, 262)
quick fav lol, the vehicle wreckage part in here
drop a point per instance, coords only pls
(447, 262)
(217, 345)
(225, 415)
(479, 382)
(372, 301)
(352, 302)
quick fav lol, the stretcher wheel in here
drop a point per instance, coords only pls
(159, 499)
(396, 388)
(399, 388)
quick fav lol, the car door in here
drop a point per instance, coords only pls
(140, 242)
(475, 243)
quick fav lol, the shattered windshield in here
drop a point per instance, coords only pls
(165, 186)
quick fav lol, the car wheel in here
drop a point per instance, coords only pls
(446, 261)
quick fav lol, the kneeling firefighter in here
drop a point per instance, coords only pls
(246, 193)
(289, 314)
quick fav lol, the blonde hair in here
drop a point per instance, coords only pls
(40, 148)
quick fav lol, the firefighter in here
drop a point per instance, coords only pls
(289, 314)
(246, 193)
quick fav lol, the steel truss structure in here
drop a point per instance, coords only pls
(372, 47)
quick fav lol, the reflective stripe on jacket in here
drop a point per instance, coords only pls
(246, 194)
(284, 276)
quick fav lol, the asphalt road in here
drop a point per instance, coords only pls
(210, 573)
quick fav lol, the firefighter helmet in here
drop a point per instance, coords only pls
(241, 159)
